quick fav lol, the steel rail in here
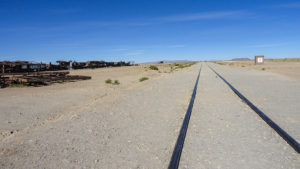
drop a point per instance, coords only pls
(289, 139)
(175, 159)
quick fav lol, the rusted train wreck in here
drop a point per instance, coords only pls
(98, 64)
(25, 66)
(34, 73)
(38, 78)
(31, 73)
(21, 66)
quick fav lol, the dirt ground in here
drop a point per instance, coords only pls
(224, 132)
(92, 124)
(28, 107)
(286, 67)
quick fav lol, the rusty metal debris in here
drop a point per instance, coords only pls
(25, 66)
(98, 64)
(35, 73)
(38, 78)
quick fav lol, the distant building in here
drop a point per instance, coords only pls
(259, 59)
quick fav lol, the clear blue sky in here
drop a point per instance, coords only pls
(148, 30)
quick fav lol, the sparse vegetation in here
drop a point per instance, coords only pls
(116, 82)
(263, 68)
(108, 81)
(172, 68)
(182, 65)
(284, 60)
(220, 63)
(246, 63)
(243, 63)
(153, 67)
(143, 79)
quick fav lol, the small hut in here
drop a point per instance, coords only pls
(259, 59)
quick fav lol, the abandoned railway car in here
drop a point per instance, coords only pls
(21, 66)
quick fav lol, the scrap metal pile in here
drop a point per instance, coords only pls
(25, 66)
(26, 73)
(38, 78)
(98, 64)
(35, 73)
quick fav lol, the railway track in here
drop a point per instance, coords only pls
(287, 137)
(175, 159)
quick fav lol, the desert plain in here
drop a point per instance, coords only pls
(135, 124)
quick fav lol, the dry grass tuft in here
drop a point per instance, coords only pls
(143, 79)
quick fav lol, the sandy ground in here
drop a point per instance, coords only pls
(23, 108)
(286, 67)
(225, 133)
(90, 124)
(275, 94)
(96, 125)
